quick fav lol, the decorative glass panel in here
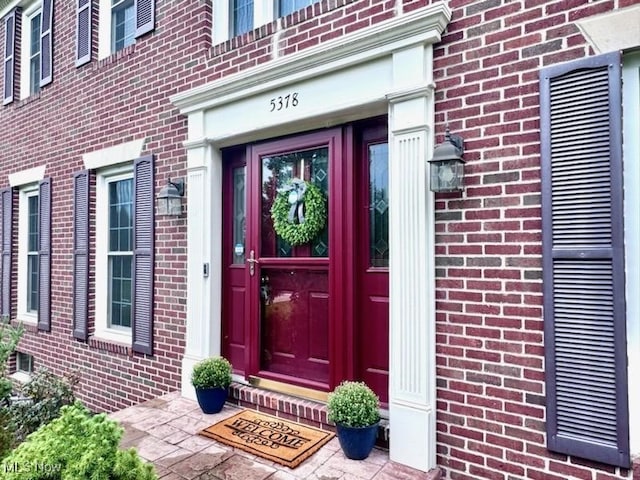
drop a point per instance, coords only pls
(34, 55)
(242, 16)
(289, 6)
(120, 252)
(239, 215)
(310, 165)
(123, 24)
(379, 205)
(32, 254)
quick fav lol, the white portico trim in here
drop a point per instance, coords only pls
(385, 68)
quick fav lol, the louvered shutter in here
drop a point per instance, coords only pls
(81, 254)
(6, 196)
(145, 16)
(83, 32)
(143, 235)
(583, 260)
(44, 255)
(46, 43)
(9, 55)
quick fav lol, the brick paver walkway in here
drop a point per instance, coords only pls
(164, 431)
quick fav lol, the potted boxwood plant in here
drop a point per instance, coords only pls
(354, 408)
(211, 378)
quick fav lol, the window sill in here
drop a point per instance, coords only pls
(20, 377)
(115, 57)
(30, 322)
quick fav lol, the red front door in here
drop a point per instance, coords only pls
(313, 314)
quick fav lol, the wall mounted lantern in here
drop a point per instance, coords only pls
(170, 198)
(447, 165)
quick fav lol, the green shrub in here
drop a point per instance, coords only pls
(9, 339)
(353, 404)
(76, 446)
(47, 394)
(212, 372)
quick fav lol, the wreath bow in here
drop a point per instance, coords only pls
(296, 189)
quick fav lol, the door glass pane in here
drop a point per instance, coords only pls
(379, 205)
(239, 215)
(310, 165)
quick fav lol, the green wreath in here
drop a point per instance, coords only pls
(299, 212)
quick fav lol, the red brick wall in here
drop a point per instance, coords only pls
(488, 240)
(489, 301)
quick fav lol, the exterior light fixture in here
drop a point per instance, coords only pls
(170, 198)
(447, 165)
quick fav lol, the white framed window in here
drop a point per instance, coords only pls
(123, 24)
(114, 253)
(30, 49)
(28, 235)
(235, 17)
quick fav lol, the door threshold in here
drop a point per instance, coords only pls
(288, 389)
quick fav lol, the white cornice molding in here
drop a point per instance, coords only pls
(30, 175)
(424, 25)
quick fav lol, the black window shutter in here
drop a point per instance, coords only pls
(81, 182)
(6, 196)
(46, 43)
(145, 16)
(83, 32)
(583, 259)
(44, 256)
(9, 55)
(143, 235)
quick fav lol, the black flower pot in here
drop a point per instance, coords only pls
(357, 442)
(211, 400)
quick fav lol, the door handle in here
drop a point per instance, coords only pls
(252, 263)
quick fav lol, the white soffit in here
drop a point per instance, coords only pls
(616, 30)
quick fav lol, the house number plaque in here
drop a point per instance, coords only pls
(284, 102)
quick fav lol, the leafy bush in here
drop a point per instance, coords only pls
(47, 394)
(212, 372)
(77, 446)
(9, 338)
(353, 404)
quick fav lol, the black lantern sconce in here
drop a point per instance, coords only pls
(170, 198)
(447, 165)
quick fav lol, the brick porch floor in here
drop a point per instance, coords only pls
(164, 431)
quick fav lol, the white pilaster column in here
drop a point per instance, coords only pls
(204, 217)
(411, 269)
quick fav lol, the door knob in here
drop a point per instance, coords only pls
(252, 263)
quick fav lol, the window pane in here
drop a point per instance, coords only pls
(32, 283)
(34, 55)
(120, 291)
(242, 16)
(122, 24)
(288, 6)
(33, 224)
(379, 205)
(120, 218)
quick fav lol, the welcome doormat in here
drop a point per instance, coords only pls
(276, 439)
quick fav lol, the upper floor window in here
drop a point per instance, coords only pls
(34, 52)
(235, 17)
(120, 23)
(123, 25)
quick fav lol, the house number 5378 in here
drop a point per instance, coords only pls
(280, 102)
